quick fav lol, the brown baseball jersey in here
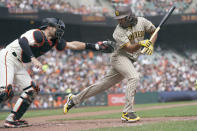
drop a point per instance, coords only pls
(132, 35)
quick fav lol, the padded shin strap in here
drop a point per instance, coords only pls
(23, 103)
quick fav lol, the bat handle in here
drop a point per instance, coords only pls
(152, 37)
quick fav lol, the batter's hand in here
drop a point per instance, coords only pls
(145, 43)
(36, 63)
(149, 50)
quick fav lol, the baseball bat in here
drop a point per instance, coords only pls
(160, 25)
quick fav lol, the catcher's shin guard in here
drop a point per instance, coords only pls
(23, 103)
(6, 93)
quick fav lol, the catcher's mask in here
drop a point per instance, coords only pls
(125, 16)
(54, 22)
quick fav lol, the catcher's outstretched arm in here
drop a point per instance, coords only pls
(103, 46)
(75, 45)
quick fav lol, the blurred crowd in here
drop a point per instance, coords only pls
(74, 71)
(160, 7)
(102, 7)
(168, 73)
(156, 7)
(55, 5)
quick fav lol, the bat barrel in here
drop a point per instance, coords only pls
(167, 16)
(161, 23)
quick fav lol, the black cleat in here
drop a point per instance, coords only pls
(15, 124)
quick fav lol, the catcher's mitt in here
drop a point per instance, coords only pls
(107, 46)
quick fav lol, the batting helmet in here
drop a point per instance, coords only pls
(125, 12)
(54, 22)
(122, 12)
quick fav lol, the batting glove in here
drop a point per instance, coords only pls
(149, 50)
(145, 43)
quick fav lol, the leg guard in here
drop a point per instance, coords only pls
(6, 93)
(23, 103)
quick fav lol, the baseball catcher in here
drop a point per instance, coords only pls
(26, 49)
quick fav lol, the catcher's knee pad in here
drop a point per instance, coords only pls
(6, 93)
(27, 97)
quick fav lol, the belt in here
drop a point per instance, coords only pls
(15, 55)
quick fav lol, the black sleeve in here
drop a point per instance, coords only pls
(25, 47)
(61, 45)
(92, 46)
(38, 37)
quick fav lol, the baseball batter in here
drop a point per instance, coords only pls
(25, 49)
(129, 36)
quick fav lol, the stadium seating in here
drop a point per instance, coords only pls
(103, 8)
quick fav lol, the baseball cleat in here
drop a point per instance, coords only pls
(129, 117)
(69, 104)
(23, 122)
(15, 124)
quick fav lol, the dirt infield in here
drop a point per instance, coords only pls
(44, 123)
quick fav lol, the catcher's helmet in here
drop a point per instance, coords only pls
(55, 22)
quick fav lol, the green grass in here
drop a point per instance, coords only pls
(162, 126)
(176, 111)
(38, 113)
(173, 112)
